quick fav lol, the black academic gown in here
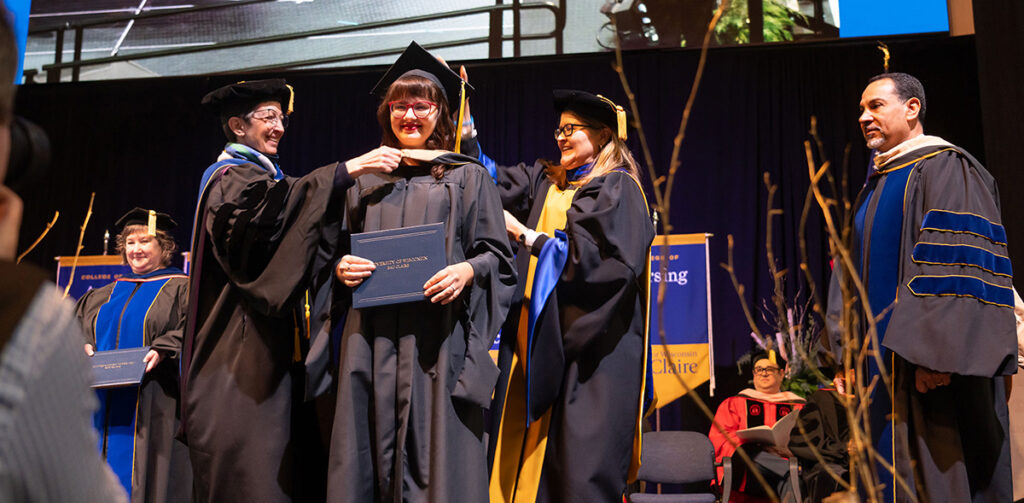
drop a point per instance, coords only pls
(820, 441)
(415, 378)
(258, 245)
(160, 470)
(929, 242)
(587, 359)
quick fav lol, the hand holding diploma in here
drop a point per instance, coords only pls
(151, 359)
(353, 270)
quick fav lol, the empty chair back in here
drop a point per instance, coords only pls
(676, 457)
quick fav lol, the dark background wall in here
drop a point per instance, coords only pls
(146, 142)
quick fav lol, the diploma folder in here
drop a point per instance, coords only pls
(405, 258)
(118, 368)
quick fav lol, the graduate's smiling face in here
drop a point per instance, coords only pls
(885, 120)
(143, 252)
(767, 376)
(413, 119)
(261, 128)
(580, 147)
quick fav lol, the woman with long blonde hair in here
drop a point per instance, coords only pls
(573, 349)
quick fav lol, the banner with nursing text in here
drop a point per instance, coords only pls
(685, 353)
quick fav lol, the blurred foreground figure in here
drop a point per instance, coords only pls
(47, 445)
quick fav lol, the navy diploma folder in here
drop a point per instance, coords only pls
(405, 258)
(118, 367)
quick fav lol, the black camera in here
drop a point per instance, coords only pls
(30, 153)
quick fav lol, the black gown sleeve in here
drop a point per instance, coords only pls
(494, 280)
(175, 301)
(954, 307)
(825, 430)
(610, 233)
(266, 233)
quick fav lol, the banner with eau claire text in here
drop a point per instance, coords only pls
(683, 354)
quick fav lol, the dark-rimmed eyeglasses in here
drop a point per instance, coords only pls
(269, 116)
(567, 130)
(421, 109)
(765, 371)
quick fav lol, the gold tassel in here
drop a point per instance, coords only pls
(620, 118)
(771, 357)
(620, 114)
(151, 223)
(885, 55)
(307, 314)
(291, 99)
(462, 110)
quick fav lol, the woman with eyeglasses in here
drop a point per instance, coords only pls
(765, 405)
(264, 246)
(566, 412)
(415, 377)
(137, 424)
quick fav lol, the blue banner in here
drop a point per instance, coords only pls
(683, 354)
(90, 271)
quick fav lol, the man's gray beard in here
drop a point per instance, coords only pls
(875, 142)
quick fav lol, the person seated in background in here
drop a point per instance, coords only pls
(765, 404)
(146, 308)
(820, 441)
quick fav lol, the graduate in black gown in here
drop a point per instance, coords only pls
(262, 251)
(415, 377)
(137, 424)
(573, 350)
(931, 250)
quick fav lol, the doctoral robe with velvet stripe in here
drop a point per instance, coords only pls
(137, 424)
(415, 377)
(587, 353)
(259, 244)
(930, 244)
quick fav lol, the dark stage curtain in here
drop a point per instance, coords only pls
(146, 142)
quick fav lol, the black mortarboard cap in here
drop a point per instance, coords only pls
(761, 354)
(594, 106)
(140, 216)
(240, 98)
(417, 61)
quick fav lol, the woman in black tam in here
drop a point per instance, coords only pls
(264, 245)
(415, 377)
(146, 308)
(572, 353)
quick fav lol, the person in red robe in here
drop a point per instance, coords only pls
(765, 404)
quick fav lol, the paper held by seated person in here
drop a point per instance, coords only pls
(118, 368)
(777, 435)
(405, 258)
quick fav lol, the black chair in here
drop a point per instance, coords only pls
(680, 457)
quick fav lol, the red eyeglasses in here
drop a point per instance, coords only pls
(420, 109)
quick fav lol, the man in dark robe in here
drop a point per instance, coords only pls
(262, 250)
(931, 251)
